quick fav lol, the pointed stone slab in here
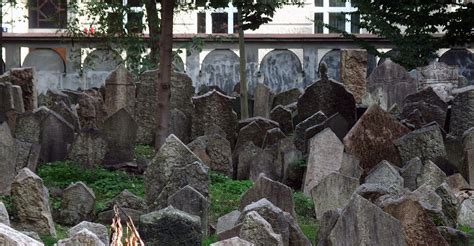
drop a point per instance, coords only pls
(8, 153)
(120, 131)
(119, 91)
(386, 175)
(256, 229)
(325, 156)
(10, 236)
(462, 112)
(371, 138)
(233, 242)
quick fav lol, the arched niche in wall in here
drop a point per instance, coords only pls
(50, 68)
(220, 68)
(333, 62)
(463, 59)
(282, 70)
(98, 64)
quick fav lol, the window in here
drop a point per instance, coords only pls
(318, 3)
(337, 20)
(236, 23)
(201, 22)
(355, 20)
(219, 23)
(135, 18)
(318, 22)
(47, 13)
(337, 3)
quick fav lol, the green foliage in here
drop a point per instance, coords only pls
(411, 26)
(304, 208)
(61, 233)
(469, 230)
(8, 202)
(225, 194)
(209, 240)
(105, 184)
(143, 152)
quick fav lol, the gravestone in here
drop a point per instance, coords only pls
(27, 155)
(385, 175)
(392, 81)
(439, 76)
(11, 98)
(215, 151)
(328, 96)
(428, 104)
(353, 72)
(77, 204)
(10, 236)
(426, 143)
(462, 112)
(410, 171)
(55, 137)
(300, 129)
(8, 159)
(88, 149)
(325, 156)
(232, 242)
(98, 229)
(31, 203)
(26, 79)
(120, 131)
(214, 108)
(83, 237)
(189, 200)
(287, 97)
(284, 118)
(263, 98)
(371, 138)
(257, 230)
(67, 114)
(119, 91)
(463, 59)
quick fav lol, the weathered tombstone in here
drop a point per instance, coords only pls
(431, 174)
(172, 168)
(333, 192)
(145, 107)
(425, 143)
(170, 226)
(128, 202)
(215, 151)
(371, 138)
(463, 59)
(31, 203)
(98, 229)
(275, 192)
(328, 96)
(91, 110)
(53, 96)
(350, 166)
(439, 76)
(462, 112)
(265, 163)
(325, 156)
(88, 149)
(120, 131)
(327, 222)
(232, 242)
(189, 200)
(67, 113)
(336, 123)
(28, 125)
(77, 204)
(257, 230)
(273, 137)
(26, 79)
(300, 129)
(214, 108)
(11, 98)
(385, 175)
(119, 91)
(353, 72)
(83, 237)
(56, 136)
(8, 155)
(457, 182)
(227, 221)
(281, 70)
(466, 213)
(263, 98)
(253, 132)
(374, 226)
(284, 117)
(449, 202)
(410, 172)
(4, 217)
(244, 160)
(393, 81)
(454, 236)
(429, 105)
(10, 236)
(416, 224)
(27, 155)
(287, 97)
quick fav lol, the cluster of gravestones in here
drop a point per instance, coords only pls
(384, 158)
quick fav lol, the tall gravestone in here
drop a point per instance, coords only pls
(391, 83)
(119, 91)
(120, 131)
(7, 160)
(439, 76)
(353, 72)
(263, 98)
(26, 79)
(462, 111)
(56, 136)
(214, 109)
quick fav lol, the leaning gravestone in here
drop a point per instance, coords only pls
(67, 113)
(353, 72)
(430, 106)
(77, 204)
(26, 79)
(284, 117)
(287, 97)
(462, 112)
(363, 223)
(257, 230)
(463, 59)
(31, 203)
(439, 76)
(300, 129)
(56, 135)
(27, 155)
(214, 108)
(120, 130)
(119, 91)
(189, 200)
(392, 81)
(88, 149)
(172, 168)
(325, 156)
(170, 226)
(215, 151)
(328, 96)
(371, 138)
(7, 159)
(11, 98)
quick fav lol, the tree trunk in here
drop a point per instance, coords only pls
(244, 108)
(154, 30)
(164, 81)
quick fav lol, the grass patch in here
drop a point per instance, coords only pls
(469, 230)
(61, 233)
(209, 240)
(304, 208)
(143, 152)
(105, 184)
